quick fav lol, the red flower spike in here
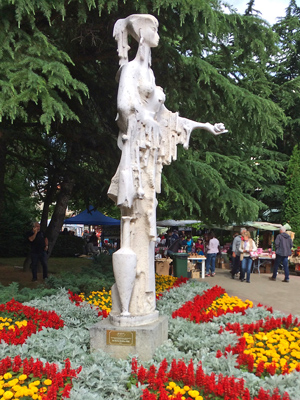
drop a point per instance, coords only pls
(173, 374)
(162, 371)
(134, 366)
(219, 354)
(182, 370)
(150, 377)
(246, 395)
(210, 386)
(190, 375)
(142, 374)
(148, 396)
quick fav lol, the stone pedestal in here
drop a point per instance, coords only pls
(121, 341)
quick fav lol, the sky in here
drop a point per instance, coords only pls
(270, 9)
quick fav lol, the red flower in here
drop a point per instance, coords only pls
(247, 360)
(36, 320)
(195, 310)
(219, 354)
(209, 386)
(61, 381)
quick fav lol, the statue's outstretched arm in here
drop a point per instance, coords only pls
(216, 129)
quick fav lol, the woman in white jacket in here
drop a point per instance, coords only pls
(247, 245)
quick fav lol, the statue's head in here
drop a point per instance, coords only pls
(142, 27)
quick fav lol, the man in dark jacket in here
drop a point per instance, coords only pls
(283, 249)
(39, 248)
(236, 263)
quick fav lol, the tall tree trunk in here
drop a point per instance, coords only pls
(49, 198)
(58, 216)
(3, 150)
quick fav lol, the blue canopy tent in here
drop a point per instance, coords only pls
(91, 217)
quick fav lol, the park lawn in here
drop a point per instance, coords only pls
(11, 269)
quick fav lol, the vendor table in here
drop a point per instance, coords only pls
(296, 261)
(201, 260)
(261, 260)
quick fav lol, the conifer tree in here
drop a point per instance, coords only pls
(292, 194)
(212, 66)
(286, 75)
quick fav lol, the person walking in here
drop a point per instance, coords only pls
(39, 248)
(283, 249)
(213, 249)
(246, 247)
(236, 262)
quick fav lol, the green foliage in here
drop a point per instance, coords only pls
(57, 73)
(286, 70)
(94, 277)
(68, 246)
(33, 70)
(292, 194)
(97, 275)
(17, 217)
(25, 294)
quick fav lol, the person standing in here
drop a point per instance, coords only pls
(283, 249)
(199, 246)
(246, 246)
(212, 250)
(189, 244)
(236, 263)
(92, 246)
(39, 248)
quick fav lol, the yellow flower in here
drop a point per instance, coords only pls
(177, 390)
(35, 383)
(193, 393)
(22, 377)
(7, 375)
(8, 395)
(47, 382)
(13, 382)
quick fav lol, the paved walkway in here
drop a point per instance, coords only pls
(281, 296)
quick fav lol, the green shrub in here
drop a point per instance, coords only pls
(97, 275)
(68, 246)
(14, 292)
(93, 277)
(13, 240)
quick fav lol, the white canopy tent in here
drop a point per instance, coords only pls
(173, 222)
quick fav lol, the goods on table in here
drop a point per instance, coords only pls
(195, 255)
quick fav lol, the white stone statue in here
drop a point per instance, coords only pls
(148, 137)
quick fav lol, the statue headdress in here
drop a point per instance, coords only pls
(131, 25)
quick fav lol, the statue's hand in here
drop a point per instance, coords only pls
(218, 129)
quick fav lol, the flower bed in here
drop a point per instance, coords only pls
(181, 382)
(18, 322)
(164, 283)
(102, 299)
(33, 380)
(103, 377)
(268, 347)
(213, 303)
